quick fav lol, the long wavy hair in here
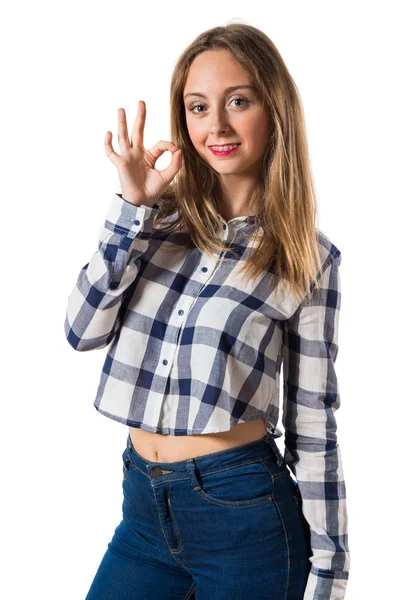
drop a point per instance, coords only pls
(285, 235)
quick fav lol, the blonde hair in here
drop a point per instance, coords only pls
(283, 200)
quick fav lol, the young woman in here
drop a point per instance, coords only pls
(204, 287)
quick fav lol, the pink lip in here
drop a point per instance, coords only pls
(225, 152)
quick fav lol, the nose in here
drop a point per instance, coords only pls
(219, 123)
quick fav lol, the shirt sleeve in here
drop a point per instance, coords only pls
(93, 308)
(310, 399)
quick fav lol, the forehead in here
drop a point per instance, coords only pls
(213, 70)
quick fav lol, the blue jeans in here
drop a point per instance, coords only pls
(221, 526)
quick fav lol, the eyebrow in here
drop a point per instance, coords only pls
(229, 89)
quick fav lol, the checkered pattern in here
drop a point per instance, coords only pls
(311, 397)
(195, 349)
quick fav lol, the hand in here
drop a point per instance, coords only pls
(141, 182)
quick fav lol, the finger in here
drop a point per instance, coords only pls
(123, 139)
(176, 162)
(162, 146)
(138, 126)
(113, 156)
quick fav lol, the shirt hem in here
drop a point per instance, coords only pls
(174, 431)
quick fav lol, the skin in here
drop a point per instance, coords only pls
(219, 118)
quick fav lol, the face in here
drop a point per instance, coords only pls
(217, 116)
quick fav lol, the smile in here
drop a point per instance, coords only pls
(230, 149)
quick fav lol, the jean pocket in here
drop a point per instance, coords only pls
(246, 484)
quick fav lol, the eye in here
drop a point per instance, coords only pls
(233, 100)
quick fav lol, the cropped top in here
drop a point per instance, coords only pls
(195, 349)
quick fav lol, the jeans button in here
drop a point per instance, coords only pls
(155, 472)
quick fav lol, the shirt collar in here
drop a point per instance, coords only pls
(250, 219)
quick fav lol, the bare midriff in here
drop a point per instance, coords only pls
(159, 447)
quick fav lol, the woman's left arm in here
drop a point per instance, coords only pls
(311, 397)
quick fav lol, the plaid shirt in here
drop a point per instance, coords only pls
(196, 349)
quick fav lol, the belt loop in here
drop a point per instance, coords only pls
(191, 467)
(271, 441)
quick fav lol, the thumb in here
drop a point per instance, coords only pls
(176, 162)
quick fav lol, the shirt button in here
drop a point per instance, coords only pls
(180, 312)
(136, 222)
(165, 362)
(204, 269)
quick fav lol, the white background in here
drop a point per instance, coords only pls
(66, 69)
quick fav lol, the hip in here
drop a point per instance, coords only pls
(232, 519)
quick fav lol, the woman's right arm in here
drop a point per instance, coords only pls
(93, 308)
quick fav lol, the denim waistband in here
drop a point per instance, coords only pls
(260, 449)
